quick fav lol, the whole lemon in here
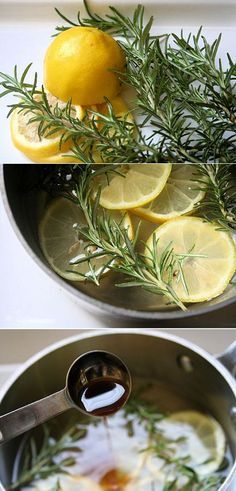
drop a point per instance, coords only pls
(78, 66)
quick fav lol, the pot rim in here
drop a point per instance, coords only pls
(143, 332)
(85, 299)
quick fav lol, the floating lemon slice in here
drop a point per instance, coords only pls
(179, 197)
(197, 436)
(61, 243)
(25, 135)
(212, 257)
(134, 186)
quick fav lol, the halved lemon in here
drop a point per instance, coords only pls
(179, 197)
(81, 64)
(25, 135)
(197, 436)
(134, 185)
(212, 257)
(61, 242)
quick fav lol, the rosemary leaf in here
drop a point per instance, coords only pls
(184, 97)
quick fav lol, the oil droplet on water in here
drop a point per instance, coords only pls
(114, 480)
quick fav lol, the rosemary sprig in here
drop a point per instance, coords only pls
(93, 132)
(41, 463)
(182, 91)
(143, 412)
(219, 205)
(111, 241)
(211, 483)
(114, 23)
(103, 237)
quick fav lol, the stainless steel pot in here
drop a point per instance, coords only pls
(24, 208)
(181, 366)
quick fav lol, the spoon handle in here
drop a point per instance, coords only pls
(27, 417)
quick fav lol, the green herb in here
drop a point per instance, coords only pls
(182, 91)
(208, 484)
(106, 238)
(143, 412)
(219, 205)
(112, 241)
(40, 463)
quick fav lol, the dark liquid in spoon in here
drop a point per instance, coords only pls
(102, 397)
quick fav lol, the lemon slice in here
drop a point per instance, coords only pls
(179, 197)
(25, 135)
(57, 158)
(60, 242)
(134, 186)
(197, 436)
(119, 107)
(212, 262)
(66, 482)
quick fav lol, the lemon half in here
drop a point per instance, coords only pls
(80, 64)
(212, 264)
(26, 138)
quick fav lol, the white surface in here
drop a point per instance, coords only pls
(28, 297)
(26, 29)
(5, 373)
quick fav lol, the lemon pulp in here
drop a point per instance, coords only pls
(179, 197)
(212, 257)
(61, 243)
(204, 440)
(26, 138)
(134, 185)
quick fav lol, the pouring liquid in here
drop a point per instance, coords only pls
(113, 479)
(102, 398)
(110, 456)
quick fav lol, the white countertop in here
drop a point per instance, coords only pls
(29, 298)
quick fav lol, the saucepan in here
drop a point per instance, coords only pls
(24, 202)
(187, 370)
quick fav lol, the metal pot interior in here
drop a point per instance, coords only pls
(150, 356)
(27, 202)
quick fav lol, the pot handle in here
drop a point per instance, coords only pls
(228, 358)
(25, 418)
